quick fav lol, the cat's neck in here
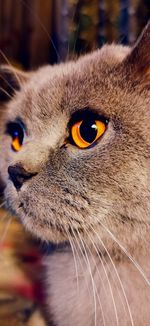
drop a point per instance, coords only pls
(114, 289)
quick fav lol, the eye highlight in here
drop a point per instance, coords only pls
(15, 130)
(87, 131)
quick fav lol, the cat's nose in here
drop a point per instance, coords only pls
(18, 175)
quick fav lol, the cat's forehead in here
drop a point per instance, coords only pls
(65, 88)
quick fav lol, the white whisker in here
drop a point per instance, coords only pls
(119, 279)
(5, 92)
(12, 68)
(3, 204)
(7, 82)
(4, 234)
(103, 317)
(3, 217)
(73, 16)
(139, 268)
(74, 258)
(92, 280)
(109, 284)
(42, 27)
(5, 231)
(79, 258)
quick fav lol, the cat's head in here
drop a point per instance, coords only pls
(75, 146)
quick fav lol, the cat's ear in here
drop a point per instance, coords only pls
(11, 80)
(137, 63)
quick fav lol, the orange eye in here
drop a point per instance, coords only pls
(16, 146)
(86, 132)
(15, 130)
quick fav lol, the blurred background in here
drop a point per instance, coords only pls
(34, 32)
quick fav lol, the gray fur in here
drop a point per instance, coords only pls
(75, 192)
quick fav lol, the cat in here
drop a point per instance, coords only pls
(75, 161)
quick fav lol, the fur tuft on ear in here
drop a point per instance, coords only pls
(11, 80)
(137, 63)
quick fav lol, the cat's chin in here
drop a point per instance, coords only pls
(48, 235)
(47, 232)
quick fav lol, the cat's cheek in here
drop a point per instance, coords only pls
(7, 158)
(11, 198)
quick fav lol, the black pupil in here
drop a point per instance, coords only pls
(88, 130)
(15, 130)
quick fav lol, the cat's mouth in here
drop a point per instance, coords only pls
(54, 217)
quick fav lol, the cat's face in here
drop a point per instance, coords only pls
(68, 191)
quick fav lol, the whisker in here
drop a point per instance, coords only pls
(103, 317)
(4, 234)
(6, 93)
(139, 268)
(92, 280)
(79, 258)
(114, 281)
(97, 252)
(114, 304)
(109, 284)
(3, 217)
(119, 279)
(7, 82)
(72, 19)
(76, 38)
(3, 204)
(5, 231)
(74, 257)
(9, 63)
(42, 26)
